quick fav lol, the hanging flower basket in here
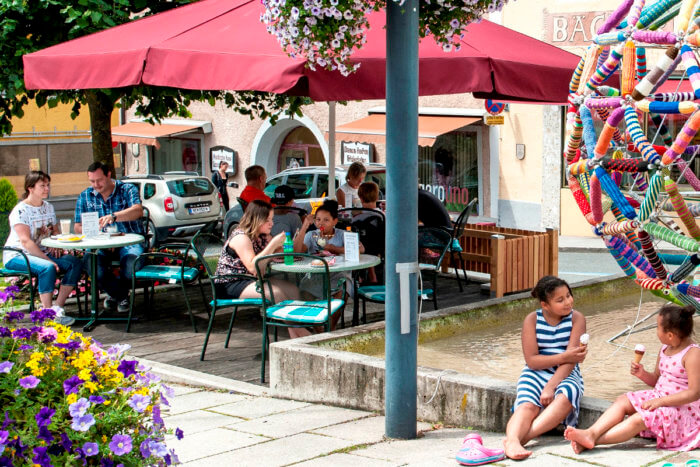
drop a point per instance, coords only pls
(327, 32)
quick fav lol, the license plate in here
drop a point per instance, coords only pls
(199, 210)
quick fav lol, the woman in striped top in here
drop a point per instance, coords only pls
(550, 386)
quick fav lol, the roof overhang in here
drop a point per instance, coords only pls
(142, 132)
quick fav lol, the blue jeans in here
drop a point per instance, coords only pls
(46, 272)
(117, 288)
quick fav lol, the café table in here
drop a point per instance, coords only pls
(92, 245)
(303, 265)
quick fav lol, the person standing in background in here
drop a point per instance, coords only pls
(347, 192)
(219, 179)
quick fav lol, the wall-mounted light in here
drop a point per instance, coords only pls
(135, 149)
(520, 151)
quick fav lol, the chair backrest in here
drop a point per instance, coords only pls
(433, 243)
(199, 244)
(371, 225)
(463, 218)
(242, 202)
(145, 226)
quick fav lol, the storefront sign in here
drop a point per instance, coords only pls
(221, 154)
(494, 119)
(356, 152)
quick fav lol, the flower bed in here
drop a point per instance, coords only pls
(67, 401)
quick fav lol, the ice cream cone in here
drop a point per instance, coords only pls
(638, 353)
(583, 342)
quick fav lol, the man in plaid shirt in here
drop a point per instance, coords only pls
(116, 203)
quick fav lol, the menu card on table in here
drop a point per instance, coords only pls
(91, 224)
(352, 247)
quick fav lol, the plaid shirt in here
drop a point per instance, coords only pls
(124, 196)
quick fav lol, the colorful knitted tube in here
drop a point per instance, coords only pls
(605, 114)
(687, 268)
(576, 77)
(609, 38)
(693, 39)
(683, 19)
(632, 256)
(594, 196)
(608, 91)
(580, 199)
(640, 182)
(614, 192)
(628, 68)
(655, 37)
(691, 68)
(685, 107)
(589, 136)
(623, 262)
(687, 172)
(604, 54)
(583, 180)
(625, 165)
(639, 138)
(667, 294)
(604, 72)
(681, 208)
(669, 71)
(672, 96)
(651, 284)
(589, 66)
(646, 86)
(603, 102)
(656, 184)
(635, 12)
(666, 137)
(685, 298)
(650, 253)
(687, 289)
(573, 139)
(668, 235)
(614, 228)
(694, 209)
(682, 140)
(580, 167)
(631, 235)
(652, 12)
(641, 62)
(618, 15)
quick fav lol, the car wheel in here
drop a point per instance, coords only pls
(152, 235)
(231, 228)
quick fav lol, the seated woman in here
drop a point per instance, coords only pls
(32, 220)
(248, 242)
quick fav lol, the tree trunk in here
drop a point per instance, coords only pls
(101, 107)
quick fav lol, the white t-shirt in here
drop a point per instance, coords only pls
(352, 200)
(39, 219)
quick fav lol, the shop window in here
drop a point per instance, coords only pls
(177, 154)
(450, 169)
(300, 149)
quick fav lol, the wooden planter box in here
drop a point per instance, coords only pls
(515, 259)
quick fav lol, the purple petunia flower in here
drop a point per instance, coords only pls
(22, 333)
(72, 384)
(6, 366)
(47, 335)
(66, 442)
(106, 462)
(29, 382)
(13, 316)
(72, 345)
(144, 449)
(41, 457)
(3, 436)
(139, 402)
(83, 423)
(157, 419)
(45, 435)
(25, 347)
(43, 418)
(96, 399)
(39, 316)
(127, 367)
(179, 434)
(117, 350)
(91, 449)
(79, 408)
(4, 332)
(157, 448)
(120, 445)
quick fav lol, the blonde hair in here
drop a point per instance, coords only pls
(255, 215)
(355, 170)
(368, 192)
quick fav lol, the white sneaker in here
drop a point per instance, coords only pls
(61, 317)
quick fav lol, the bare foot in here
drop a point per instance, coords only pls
(515, 450)
(582, 439)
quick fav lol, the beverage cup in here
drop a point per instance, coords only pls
(65, 226)
(111, 229)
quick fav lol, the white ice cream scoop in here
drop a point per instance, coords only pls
(584, 339)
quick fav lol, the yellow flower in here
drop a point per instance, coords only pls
(72, 398)
(91, 386)
(84, 360)
(104, 437)
(107, 402)
(85, 374)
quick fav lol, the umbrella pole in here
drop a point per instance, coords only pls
(402, 218)
(331, 150)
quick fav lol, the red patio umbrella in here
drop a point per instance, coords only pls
(221, 44)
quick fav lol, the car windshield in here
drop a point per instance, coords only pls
(378, 177)
(190, 187)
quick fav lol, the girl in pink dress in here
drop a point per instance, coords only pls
(671, 411)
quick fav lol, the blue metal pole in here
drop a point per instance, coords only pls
(402, 217)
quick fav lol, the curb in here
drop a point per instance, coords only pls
(176, 374)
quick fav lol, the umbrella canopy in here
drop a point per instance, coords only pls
(221, 44)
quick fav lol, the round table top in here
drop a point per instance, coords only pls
(95, 243)
(304, 265)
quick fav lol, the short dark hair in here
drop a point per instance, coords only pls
(368, 192)
(546, 286)
(32, 178)
(99, 165)
(330, 206)
(254, 172)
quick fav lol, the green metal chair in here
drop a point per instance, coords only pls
(29, 275)
(198, 246)
(433, 245)
(294, 313)
(455, 247)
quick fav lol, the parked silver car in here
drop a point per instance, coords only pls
(179, 203)
(310, 185)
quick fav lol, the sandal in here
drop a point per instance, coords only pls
(473, 452)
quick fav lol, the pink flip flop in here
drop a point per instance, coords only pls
(473, 452)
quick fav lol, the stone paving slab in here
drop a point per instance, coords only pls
(212, 442)
(257, 407)
(198, 420)
(180, 390)
(433, 448)
(282, 451)
(200, 400)
(298, 421)
(363, 431)
(344, 460)
(636, 451)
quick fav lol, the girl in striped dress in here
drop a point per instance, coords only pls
(550, 386)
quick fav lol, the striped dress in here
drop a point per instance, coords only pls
(551, 340)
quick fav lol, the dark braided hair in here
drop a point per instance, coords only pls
(546, 286)
(677, 319)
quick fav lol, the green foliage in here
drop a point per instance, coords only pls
(8, 196)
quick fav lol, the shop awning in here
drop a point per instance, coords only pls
(146, 133)
(372, 129)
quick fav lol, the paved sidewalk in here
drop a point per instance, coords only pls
(227, 422)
